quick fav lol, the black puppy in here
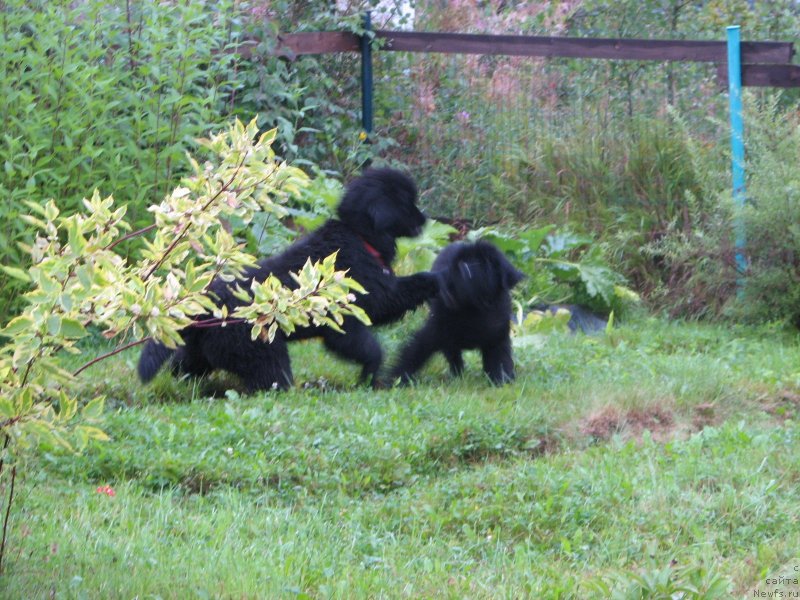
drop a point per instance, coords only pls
(472, 310)
(376, 209)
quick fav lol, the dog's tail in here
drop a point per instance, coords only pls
(153, 356)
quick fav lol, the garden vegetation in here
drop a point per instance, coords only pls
(655, 459)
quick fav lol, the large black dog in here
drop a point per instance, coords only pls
(376, 209)
(472, 310)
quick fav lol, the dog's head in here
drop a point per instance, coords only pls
(474, 275)
(382, 203)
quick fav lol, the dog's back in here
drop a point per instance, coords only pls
(375, 210)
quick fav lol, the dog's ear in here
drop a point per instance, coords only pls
(363, 206)
(510, 275)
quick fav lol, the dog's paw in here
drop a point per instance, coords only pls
(432, 282)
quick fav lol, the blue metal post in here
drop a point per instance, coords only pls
(737, 139)
(366, 75)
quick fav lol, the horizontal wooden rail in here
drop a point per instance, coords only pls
(785, 76)
(764, 64)
(298, 44)
(622, 49)
(321, 42)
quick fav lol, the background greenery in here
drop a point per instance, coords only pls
(632, 154)
(653, 460)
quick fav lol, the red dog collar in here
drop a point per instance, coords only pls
(376, 255)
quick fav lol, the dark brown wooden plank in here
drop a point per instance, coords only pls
(785, 76)
(311, 42)
(623, 49)
(317, 42)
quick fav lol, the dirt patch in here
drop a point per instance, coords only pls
(705, 415)
(611, 420)
(542, 445)
(783, 405)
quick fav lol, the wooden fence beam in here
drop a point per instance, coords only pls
(784, 76)
(622, 49)
(323, 42)
(298, 44)
(770, 74)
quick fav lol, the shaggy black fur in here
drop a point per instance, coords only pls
(472, 310)
(376, 209)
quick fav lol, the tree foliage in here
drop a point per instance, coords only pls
(81, 280)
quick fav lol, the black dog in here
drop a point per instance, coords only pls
(472, 310)
(376, 209)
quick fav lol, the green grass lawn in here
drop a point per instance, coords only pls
(657, 460)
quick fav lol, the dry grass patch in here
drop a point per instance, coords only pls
(612, 420)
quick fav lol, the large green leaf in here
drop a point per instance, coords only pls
(598, 280)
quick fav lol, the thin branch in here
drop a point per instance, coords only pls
(110, 354)
(130, 235)
(9, 422)
(5, 446)
(8, 514)
(207, 323)
(131, 61)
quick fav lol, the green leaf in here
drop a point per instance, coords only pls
(72, 328)
(560, 244)
(92, 433)
(599, 281)
(93, 411)
(42, 431)
(610, 324)
(53, 324)
(534, 238)
(17, 325)
(16, 273)
(68, 406)
(51, 366)
(6, 409)
(626, 294)
(503, 241)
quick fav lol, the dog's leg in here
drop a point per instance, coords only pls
(498, 362)
(416, 353)
(153, 356)
(407, 294)
(275, 372)
(189, 360)
(455, 360)
(268, 369)
(272, 367)
(357, 344)
(260, 365)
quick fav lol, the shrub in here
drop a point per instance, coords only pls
(698, 263)
(106, 95)
(109, 95)
(79, 280)
(562, 267)
(771, 218)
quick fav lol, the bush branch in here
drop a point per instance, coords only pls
(109, 354)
